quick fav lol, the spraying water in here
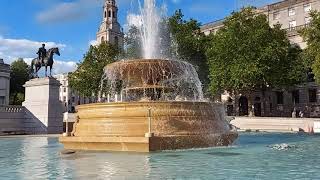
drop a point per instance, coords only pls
(148, 22)
(151, 78)
(150, 29)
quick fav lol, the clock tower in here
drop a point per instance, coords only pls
(110, 29)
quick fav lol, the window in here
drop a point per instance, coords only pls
(114, 14)
(64, 89)
(307, 7)
(64, 99)
(105, 14)
(312, 95)
(276, 15)
(295, 97)
(307, 20)
(109, 13)
(116, 41)
(2, 99)
(102, 39)
(279, 97)
(292, 25)
(292, 11)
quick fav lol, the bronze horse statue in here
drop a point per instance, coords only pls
(48, 61)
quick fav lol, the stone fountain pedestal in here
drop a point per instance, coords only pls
(44, 110)
(129, 126)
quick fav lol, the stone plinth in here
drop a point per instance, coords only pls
(43, 108)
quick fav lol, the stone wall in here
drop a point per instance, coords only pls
(273, 124)
(18, 120)
(12, 119)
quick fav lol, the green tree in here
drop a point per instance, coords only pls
(311, 54)
(19, 76)
(132, 41)
(87, 78)
(248, 55)
(190, 44)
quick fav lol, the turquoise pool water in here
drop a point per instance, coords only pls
(250, 158)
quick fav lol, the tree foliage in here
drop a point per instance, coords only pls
(189, 43)
(19, 76)
(311, 35)
(247, 54)
(87, 78)
(133, 46)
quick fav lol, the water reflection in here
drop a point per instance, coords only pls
(39, 158)
(109, 165)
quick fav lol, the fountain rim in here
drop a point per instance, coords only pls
(147, 103)
(144, 60)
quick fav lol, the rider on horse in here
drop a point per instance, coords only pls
(42, 53)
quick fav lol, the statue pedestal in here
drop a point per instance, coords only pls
(44, 110)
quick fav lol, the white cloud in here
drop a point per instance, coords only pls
(12, 49)
(68, 11)
(61, 67)
(15, 48)
(93, 43)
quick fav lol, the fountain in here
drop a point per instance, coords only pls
(150, 104)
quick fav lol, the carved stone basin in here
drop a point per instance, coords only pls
(163, 109)
(174, 125)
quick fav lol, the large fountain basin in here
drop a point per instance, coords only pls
(174, 125)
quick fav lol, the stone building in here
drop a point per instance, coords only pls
(4, 83)
(293, 15)
(70, 97)
(110, 29)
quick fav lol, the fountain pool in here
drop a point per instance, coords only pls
(249, 158)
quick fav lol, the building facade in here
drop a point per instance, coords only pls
(110, 29)
(292, 15)
(69, 97)
(4, 83)
(304, 99)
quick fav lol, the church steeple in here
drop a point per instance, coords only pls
(110, 11)
(110, 29)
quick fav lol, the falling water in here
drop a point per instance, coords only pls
(151, 78)
(150, 29)
(148, 23)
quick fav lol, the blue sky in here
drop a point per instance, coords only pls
(72, 24)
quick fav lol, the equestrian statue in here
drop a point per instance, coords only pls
(45, 58)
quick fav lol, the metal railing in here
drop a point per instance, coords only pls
(296, 29)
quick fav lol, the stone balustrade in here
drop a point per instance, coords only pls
(12, 119)
(11, 109)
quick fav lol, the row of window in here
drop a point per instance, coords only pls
(296, 96)
(109, 14)
(293, 23)
(292, 11)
